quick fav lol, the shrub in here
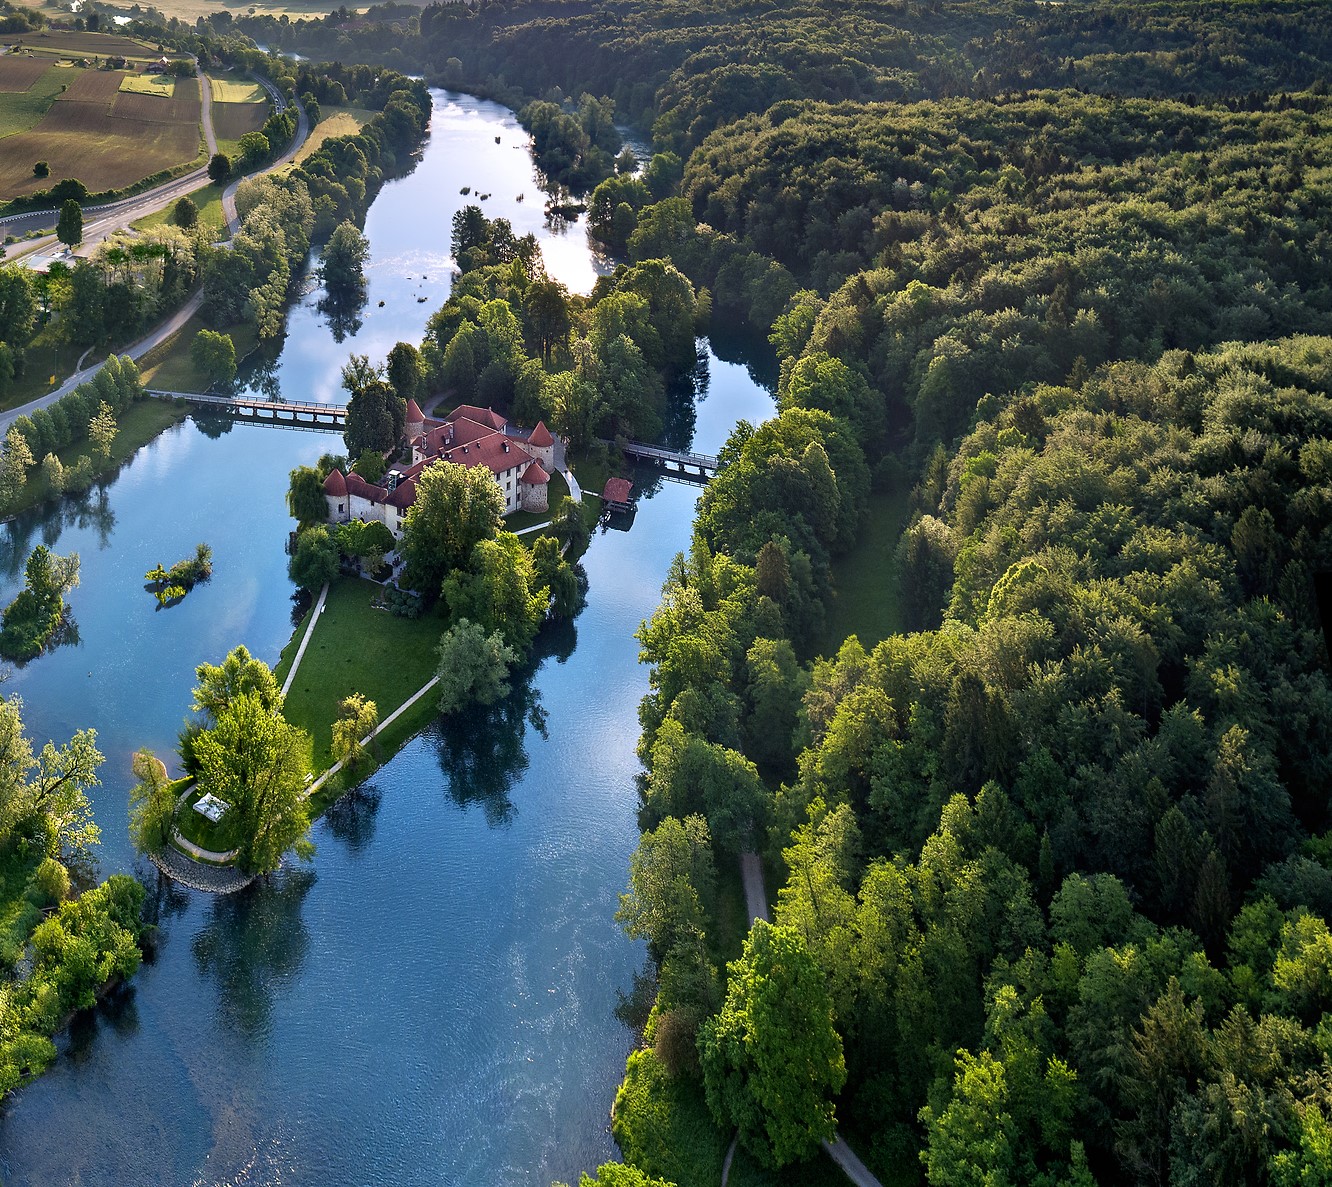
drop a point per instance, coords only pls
(51, 882)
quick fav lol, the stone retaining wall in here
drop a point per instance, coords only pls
(197, 876)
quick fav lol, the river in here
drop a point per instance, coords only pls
(432, 1000)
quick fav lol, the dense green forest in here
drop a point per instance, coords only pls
(1053, 863)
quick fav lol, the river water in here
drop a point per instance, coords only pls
(431, 1000)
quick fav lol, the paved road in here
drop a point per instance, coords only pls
(302, 131)
(135, 351)
(157, 200)
(101, 222)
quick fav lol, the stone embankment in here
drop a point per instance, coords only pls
(197, 876)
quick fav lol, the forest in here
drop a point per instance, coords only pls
(1053, 861)
(1051, 864)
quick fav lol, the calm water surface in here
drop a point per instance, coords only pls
(432, 1000)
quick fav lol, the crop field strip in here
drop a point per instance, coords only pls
(232, 120)
(106, 137)
(233, 90)
(18, 74)
(162, 85)
(20, 110)
(85, 45)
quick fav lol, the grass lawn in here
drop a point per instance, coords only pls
(221, 837)
(169, 365)
(556, 494)
(867, 602)
(45, 358)
(138, 425)
(209, 201)
(333, 121)
(150, 84)
(732, 916)
(355, 648)
(231, 89)
(20, 110)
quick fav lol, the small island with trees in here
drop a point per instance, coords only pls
(169, 586)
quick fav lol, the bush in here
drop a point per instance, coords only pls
(51, 882)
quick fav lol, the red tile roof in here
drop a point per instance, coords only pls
(335, 484)
(403, 495)
(496, 452)
(617, 490)
(534, 475)
(482, 416)
(356, 485)
(414, 414)
(541, 436)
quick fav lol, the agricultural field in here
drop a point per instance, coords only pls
(229, 89)
(22, 106)
(93, 130)
(334, 121)
(232, 120)
(162, 85)
(73, 44)
(18, 73)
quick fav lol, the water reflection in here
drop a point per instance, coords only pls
(253, 945)
(351, 819)
(483, 754)
(343, 315)
(118, 1012)
(165, 900)
(90, 512)
(212, 426)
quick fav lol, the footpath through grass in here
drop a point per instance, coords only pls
(356, 648)
(868, 602)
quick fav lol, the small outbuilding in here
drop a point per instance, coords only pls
(616, 496)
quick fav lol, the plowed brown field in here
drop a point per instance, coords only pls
(92, 86)
(85, 45)
(232, 120)
(154, 109)
(106, 138)
(18, 74)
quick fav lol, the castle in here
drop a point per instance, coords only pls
(520, 463)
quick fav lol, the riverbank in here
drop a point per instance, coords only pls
(136, 427)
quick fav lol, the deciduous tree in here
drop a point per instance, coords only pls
(256, 761)
(473, 667)
(455, 509)
(772, 1058)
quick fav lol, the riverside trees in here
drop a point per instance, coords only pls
(32, 620)
(46, 830)
(244, 752)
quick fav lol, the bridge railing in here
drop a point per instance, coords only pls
(240, 403)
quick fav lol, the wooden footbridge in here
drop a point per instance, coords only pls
(684, 467)
(328, 417)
